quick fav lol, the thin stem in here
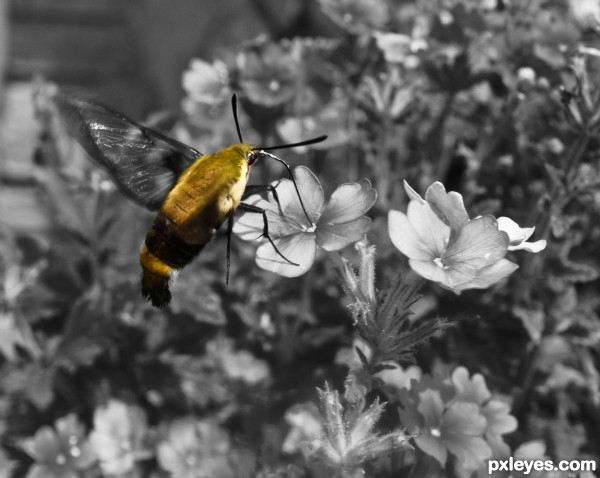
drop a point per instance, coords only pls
(382, 162)
(532, 261)
(522, 398)
(436, 140)
(306, 297)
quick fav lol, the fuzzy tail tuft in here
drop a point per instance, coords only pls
(155, 288)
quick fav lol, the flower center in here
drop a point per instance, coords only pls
(274, 85)
(438, 262)
(61, 459)
(311, 228)
(436, 432)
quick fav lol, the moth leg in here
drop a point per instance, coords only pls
(259, 188)
(228, 233)
(259, 210)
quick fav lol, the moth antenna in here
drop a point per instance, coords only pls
(306, 142)
(272, 156)
(235, 116)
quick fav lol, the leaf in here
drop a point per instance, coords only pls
(533, 320)
(390, 332)
(34, 381)
(10, 337)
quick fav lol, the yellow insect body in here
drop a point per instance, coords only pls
(193, 193)
(205, 195)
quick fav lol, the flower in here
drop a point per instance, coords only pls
(238, 364)
(306, 423)
(456, 428)
(445, 246)
(118, 436)
(269, 73)
(400, 377)
(195, 449)
(497, 414)
(331, 117)
(357, 16)
(399, 48)
(443, 423)
(206, 83)
(331, 227)
(456, 414)
(60, 452)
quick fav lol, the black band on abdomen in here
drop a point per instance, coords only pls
(164, 243)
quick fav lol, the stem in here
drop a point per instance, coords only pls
(532, 261)
(382, 162)
(522, 398)
(306, 298)
(436, 140)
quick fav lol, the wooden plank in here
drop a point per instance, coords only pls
(69, 11)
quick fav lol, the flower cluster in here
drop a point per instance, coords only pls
(445, 246)
(60, 452)
(194, 448)
(120, 439)
(456, 416)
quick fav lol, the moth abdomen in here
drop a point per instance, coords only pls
(163, 254)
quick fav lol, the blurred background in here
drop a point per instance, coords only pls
(131, 55)
(497, 99)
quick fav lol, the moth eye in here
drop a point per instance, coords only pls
(252, 157)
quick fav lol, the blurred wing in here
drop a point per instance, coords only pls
(144, 163)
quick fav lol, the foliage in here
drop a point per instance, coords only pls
(497, 102)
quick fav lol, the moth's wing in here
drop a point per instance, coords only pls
(144, 163)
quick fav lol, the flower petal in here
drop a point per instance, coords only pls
(431, 271)
(470, 389)
(431, 407)
(499, 419)
(412, 194)
(311, 192)
(44, 447)
(432, 445)
(107, 446)
(479, 244)
(425, 239)
(348, 202)
(489, 275)
(299, 248)
(183, 434)
(431, 230)
(250, 226)
(168, 458)
(333, 237)
(534, 247)
(462, 429)
(518, 235)
(405, 238)
(449, 207)
(85, 456)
